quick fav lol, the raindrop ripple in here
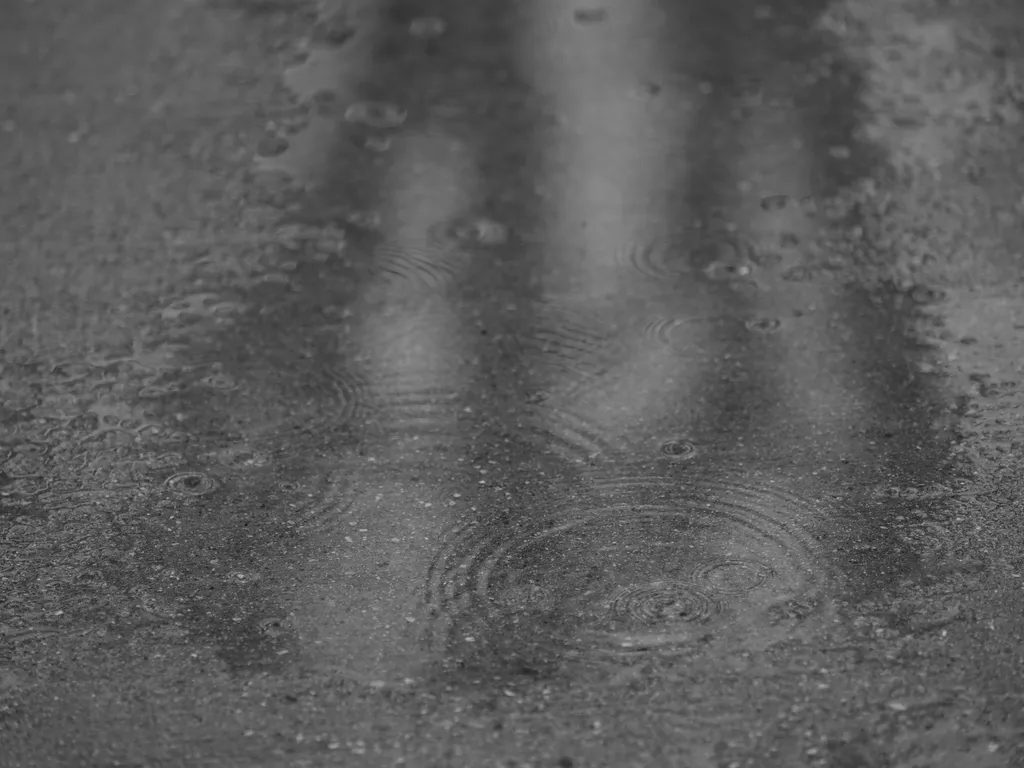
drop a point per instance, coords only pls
(707, 558)
(191, 483)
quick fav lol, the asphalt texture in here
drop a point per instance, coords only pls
(511, 383)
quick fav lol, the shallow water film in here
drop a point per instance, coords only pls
(511, 383)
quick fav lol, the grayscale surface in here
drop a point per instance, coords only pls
(510, 383)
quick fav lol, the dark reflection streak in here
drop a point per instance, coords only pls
(902, 401)
(505, 129)
(710, 30)
(849, 377)
(734, 398)
(830, 112)
(232, 615)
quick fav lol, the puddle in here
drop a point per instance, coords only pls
(732, 562)
(538, 409)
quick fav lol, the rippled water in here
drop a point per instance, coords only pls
(726, 559)
(627, 314)
(545, 380)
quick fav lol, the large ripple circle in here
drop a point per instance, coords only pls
(631, 576)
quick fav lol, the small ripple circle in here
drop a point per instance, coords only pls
(664, 602)
(191, 483)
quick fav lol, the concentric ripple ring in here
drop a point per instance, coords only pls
(620, 575)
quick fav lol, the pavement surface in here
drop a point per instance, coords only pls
(511, 383)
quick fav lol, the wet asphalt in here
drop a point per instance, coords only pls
(597, 403)
(555, 418)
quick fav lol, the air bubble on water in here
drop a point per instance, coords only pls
(427, 27)
(764, 324)
(678, 448)
(191, 483)
(219, 381)
(727, 270)
(728, 256)
(376, 114)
